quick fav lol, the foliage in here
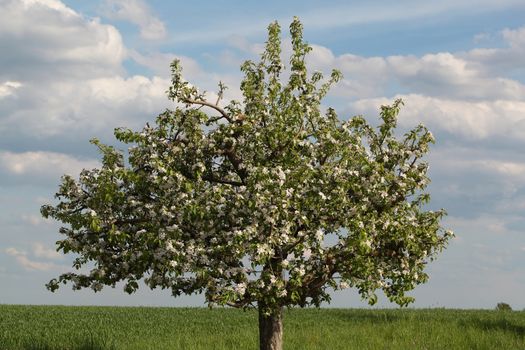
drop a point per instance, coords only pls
(270, 200)
(503, 307)
(134, 328)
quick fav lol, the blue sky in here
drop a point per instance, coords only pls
(73, 70)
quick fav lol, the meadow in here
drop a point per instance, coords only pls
(105, 328)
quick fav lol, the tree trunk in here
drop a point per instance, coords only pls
(271, 330)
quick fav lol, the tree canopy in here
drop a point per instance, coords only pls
(270, 201)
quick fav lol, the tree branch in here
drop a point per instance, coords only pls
(222, 181)
(235, 161)
(211, 178)
(211, 105)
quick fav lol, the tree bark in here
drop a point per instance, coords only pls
(271, 329)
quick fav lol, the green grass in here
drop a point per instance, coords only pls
(105, 328)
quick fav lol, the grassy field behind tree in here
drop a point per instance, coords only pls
(104, 328)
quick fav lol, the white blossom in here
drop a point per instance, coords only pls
(240, 288)
(319, 235)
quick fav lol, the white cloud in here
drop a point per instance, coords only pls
(89, 108)
(344, 14)
(192, 71)
(53, 4)
(363, 76)
(41, 200)
(35, 220)
(486, 226)
(8, 88)
(241, 43)
(115, 92)
(49, 33)
(494, 175)
(159, 63)
(28, 264)
(462, 97)
(66, 71)
(478, 179)
(381, 11)
(41, 251)
(515, 37)
(42, 164)
(14, 252)
(477, 74)
(502, 60)
(515, 205)
(138, 13)
(474, 120)
(481, 37)
(443, 74)
(509, 169)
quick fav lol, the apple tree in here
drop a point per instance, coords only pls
(268, 202)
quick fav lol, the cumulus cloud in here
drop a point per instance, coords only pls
(28, 264)
(514, 205)
(138, 13)
(42, 162)
(484, 230)
(241, 43)
(513, 170)
(42, 251)
(117, 92)
(35, 220)
(515, 37)
(474, 120)
(40, 167)
(55, 38)
(460, 76)
(8, 88)
(90, 108)
(460, 94)
(500, 175)
(471, 179)
(53, 4)
(447, 75)
(159, 63)
(66, 72)
(501, 60)
(504, 170)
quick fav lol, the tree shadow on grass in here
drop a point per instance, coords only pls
(497, 325)
(357, 315)
(377, 317)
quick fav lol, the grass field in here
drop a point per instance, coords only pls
(104, 328)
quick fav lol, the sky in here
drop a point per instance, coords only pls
(74, 70)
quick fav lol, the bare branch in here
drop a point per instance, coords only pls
(236, 162)
(211, 105)
(211, 178)
(215, 119)
(222, 181)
